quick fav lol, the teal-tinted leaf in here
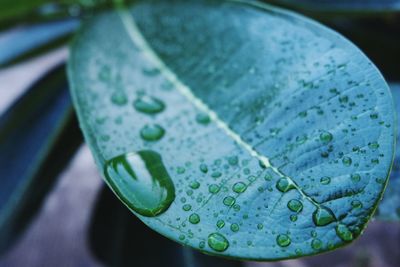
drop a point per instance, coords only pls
(119, 239)
(267, 120)
(389, 208)
(21, 43)
(38, 136)
(343, 6)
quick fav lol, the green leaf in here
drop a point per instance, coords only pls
(371, 7)
(38, 136)
(20, 44)
(119, 239)
(245, 130)
(389, 208)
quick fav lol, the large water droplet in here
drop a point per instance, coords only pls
(141, 181)
(218, 242)
(152, 132)
(283, 240)
(148, 105)
(323, 216)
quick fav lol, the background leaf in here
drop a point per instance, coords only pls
(371, 7)
(389, 208)
(192, 97)
(21, 43)
(38, 136)
(119, 239)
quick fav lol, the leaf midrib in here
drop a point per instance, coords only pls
(139, 40)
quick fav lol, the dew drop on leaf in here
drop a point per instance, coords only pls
(239, 187)
(323, 216)
(344, 233)
(152, 132)
(283, 240)
(325, 180)
(119, 99)
(213, 189)
(284, 185)
(141, 181)
(295, 205)
(326, 137)
(148, 105)
(218, 242)
(203, 118)
(194, 218)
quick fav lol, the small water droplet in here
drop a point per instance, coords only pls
(325, 180)
(203, 168)
(293, 218)
(148, 105)
(233, 160)
(239, 187)
(234, 227)
(194, 185)
(213, 189)
(141, 181)
(203, 118)
(323, 216)
(284, 185)
(218, 242)
(229, 201)
(220, 224)
(326, 137)
(152, 132)
(344, 233)
(316, 244)
(355, 177)
(194, 218)
(346, 161)
(283, 240)
(295, 205)
(187, 207)
(119, 99)
(373, 145)
(356, 204)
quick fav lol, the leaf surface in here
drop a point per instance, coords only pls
(275, 132)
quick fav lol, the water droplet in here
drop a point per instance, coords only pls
(202, 244)
(284, 185)
(203, 168)
(295, 205)
(216, 174)
(229, 201)
(374, 116)
(260, 226)
(148, 105)
(233, 160)
(213, 189)
(316, 244)
(218, 242)
(293, 218)
(355, 177)
(152, 132)
(326, 137)
(325, 180)
(141, 181)
(194, 218)
(346, 161)
(180, 170)
(203, 118)
(119, 99)
(323, 216)
(186, 207)
(194, 185)
(344, 233)
(373, 145)
(283, 240)
(239, 187)
(301, 139)
(220, 224)
(234, 227)
(356, 204)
